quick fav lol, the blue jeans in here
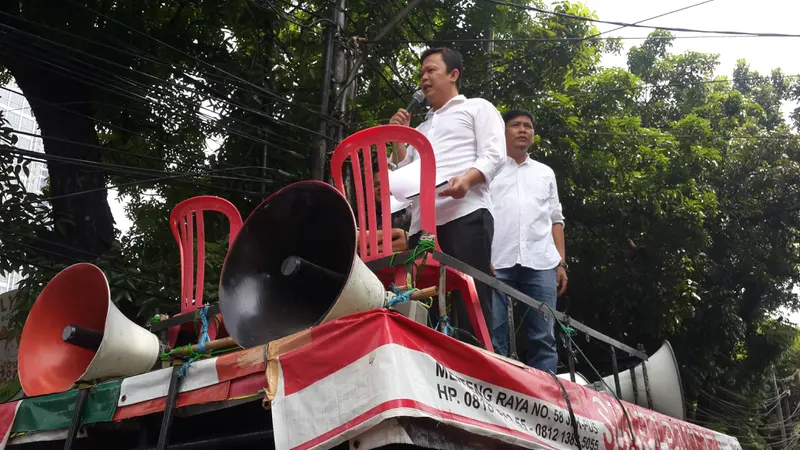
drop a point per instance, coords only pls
(538, 326)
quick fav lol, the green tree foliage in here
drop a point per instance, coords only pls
(679, 184)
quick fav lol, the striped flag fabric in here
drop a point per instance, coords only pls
(231, 376)
(341, 379)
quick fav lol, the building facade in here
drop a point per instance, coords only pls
(17, 112)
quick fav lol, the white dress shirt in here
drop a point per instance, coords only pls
(464, 133)
(525, 207)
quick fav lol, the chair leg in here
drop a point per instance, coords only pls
(172, 335)
(473, 305)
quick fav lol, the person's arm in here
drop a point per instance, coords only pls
(401, 117)
(557, 218)
(490, 136)
(558, 238)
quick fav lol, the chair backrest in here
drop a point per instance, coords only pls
(186, 216)
(362, 142)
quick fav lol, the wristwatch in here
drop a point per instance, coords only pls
(564, 265)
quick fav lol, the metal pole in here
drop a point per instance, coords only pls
(169, 409)
(77, 415)
(632, 371)
(570, 357)
(615, 367)
(646, 380)
(318, 156)
(781, 423)
(512, 335)
(442, 296)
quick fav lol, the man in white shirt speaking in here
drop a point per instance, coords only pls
(468, 139)
(528, 247)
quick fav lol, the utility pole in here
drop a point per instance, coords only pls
(490, 51)
(781, 424)
(345, 92)
(320, 152)
(399, 17)
(340, 70)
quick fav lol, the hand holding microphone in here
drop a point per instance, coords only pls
(403, 116)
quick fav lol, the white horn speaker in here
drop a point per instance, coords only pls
(666, 389)
(75, 333)
(580, 380)
(293, 265)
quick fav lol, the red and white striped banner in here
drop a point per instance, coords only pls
(225, 377)
(349, 375)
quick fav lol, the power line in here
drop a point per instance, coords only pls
(131, 171)
(257, 87)
(140, 54)
(634, 25)
(132, 183)
(53, 269)
(214, 124)
(655, 17)
(145, 87)
(562, 39)
(113, 150)
(184, 87)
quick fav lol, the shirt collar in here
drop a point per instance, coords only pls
(460, 98)
(514, 162)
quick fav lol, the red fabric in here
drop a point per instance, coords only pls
(340, 343)
(361, 333)
(241, 363)
(8, 411)
(215, 393)
(249, 385)
(395, 404)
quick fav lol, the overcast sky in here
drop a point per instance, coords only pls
(764, 16)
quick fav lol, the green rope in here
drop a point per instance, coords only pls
(190, 353)
(425, 245)
(569, 332)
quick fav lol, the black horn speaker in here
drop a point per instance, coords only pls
(293, 265)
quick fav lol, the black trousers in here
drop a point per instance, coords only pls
(468, 239)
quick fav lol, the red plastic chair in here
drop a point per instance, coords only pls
(185, 217)
(362, 142)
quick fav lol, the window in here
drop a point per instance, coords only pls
(24, 142)
(15, 102)
(13, 119)
(27, 125)
(43, 175)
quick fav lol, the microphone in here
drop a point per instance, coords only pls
(418, 99)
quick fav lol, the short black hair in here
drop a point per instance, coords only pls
(452, 60)
(513, 114)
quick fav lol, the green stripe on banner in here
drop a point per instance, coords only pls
(54, 412)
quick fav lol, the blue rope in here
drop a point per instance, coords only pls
(201, 344)
(400, 297)
(448, 329)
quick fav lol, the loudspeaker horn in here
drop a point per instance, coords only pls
(75, 333)
(664, 376)
(580, 380)
(294, 265)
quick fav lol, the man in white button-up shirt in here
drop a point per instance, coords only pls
(468, 139)
(528, 247)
